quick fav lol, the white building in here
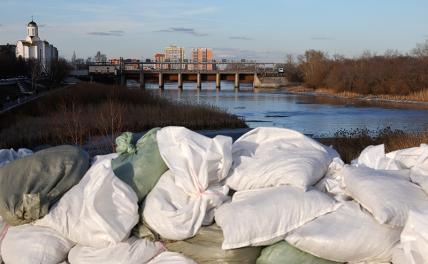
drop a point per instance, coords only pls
(34, 48)
(174, 54)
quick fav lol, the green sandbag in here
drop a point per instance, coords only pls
(139, 164)
(29, 186)
(205, 247)
(282, 252)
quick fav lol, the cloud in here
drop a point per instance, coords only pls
(240, 38)
(1, 25)
(42, 25)
(320, 38)
(114, 33)
(190, 31)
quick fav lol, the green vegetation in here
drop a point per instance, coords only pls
(86, 112)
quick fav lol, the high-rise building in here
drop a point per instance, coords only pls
(160, 57)
(203, 55)
(174, 54)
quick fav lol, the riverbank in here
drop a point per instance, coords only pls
(417, 98)
(80, 113)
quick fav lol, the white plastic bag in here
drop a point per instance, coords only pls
(3, 230)
(265, 216)
(333, 181)
(414, 238)
(386, 194)
(415, 159)
(346, 235)
(131, 251)
(29, 244)
(171, 258)
(100, 211)
(8, 155)
(185, 196)
(269, 157)
(374, 157)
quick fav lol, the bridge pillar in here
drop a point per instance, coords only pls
(237, 81)
(198, 81)
(180, 81)
(218, 80)
(122, 80)
(256, 83)
(161, 81)
(142, 81)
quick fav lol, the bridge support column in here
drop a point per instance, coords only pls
(218, 81)
(122, 80)
(161, 81)
(237, 81)
(180, 81)
(256, 83)
(198, 81)
(142, 81)
(91, 78)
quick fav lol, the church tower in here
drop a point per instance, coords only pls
(32, 32)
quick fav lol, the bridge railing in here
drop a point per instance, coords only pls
(185, 67)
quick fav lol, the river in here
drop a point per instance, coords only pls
(318, 116)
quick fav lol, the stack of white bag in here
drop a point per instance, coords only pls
(272, 169)
(381, 184)
(185, 196)
(8, 155)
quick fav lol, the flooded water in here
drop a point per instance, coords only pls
(313, 115)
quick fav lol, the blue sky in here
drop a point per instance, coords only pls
(266, 30)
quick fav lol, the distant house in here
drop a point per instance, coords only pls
(34, 48)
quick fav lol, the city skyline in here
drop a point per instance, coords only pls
(264, 31)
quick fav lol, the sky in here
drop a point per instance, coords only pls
(265, 30)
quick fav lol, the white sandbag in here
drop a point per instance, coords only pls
(264, 216)
(3, 230)
(8, 155)
(131, 251)
(176, 214)
(398, 256)
(332, 182)
(185, 196)
(414, 239)
(100, 211)
(386, 194)
(29, 244)
(346, 235)
(415, 159)
(374, 157)
(269, 157)
(171, 258)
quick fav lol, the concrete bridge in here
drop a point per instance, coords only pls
(160, 72)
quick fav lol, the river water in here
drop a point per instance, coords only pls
(318, 116)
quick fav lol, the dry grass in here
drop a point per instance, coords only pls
(81, 113)
(350, 143)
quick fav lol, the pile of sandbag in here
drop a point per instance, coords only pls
(8, 155)
(172, 195)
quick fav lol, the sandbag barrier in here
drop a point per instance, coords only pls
(174, 196)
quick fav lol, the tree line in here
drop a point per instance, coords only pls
(389, 73)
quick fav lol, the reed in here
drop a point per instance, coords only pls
(78, 114)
